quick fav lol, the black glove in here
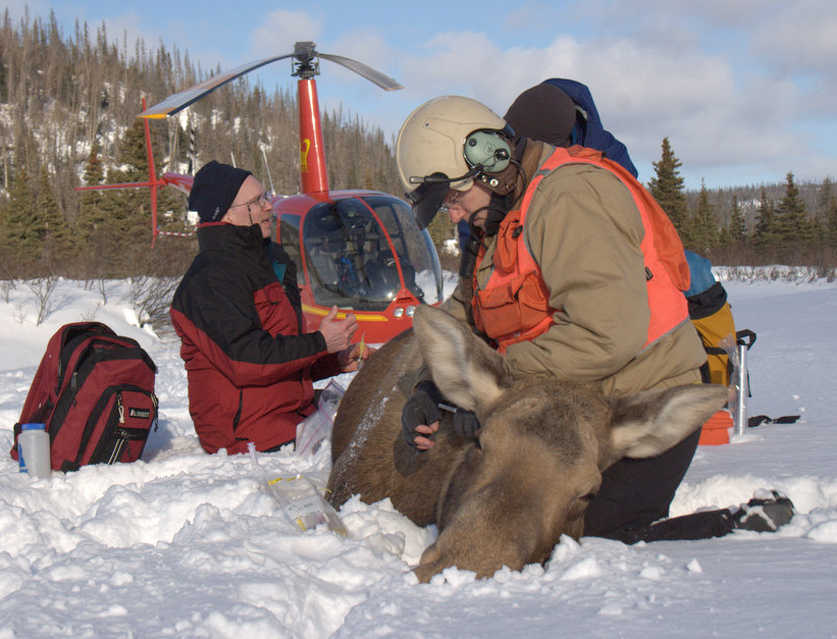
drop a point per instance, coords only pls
(421, 408)
(465, 423)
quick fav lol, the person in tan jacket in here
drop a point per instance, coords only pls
(562, 285)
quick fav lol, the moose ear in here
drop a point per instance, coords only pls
(649, 423)
(466, 369)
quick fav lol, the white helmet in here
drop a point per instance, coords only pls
(444, 144)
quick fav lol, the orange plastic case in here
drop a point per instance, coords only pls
(717, 428)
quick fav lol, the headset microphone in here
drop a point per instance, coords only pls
(441, 178)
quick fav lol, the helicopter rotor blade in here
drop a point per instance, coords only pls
(179, 101)
(376, 77)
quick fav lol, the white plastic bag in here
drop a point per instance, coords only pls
(300, 500)
(312, 431)
(304, 505)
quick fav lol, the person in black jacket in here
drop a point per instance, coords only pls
(249, 360)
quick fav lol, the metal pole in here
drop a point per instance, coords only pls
(741, 421)
(267, 168)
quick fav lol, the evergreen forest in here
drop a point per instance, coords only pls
(754, 225)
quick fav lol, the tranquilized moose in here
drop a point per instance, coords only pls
(507, 497)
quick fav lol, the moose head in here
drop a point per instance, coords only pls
(540, 452)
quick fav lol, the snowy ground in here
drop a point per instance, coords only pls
(183, 544)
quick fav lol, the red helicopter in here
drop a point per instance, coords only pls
(359, 250)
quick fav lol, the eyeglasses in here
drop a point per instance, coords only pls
(260, 199)
(453, 197)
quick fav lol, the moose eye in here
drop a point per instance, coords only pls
(580, 504)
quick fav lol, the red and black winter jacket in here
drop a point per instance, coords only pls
(248, 363)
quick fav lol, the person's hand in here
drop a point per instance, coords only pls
(465, 423)
(337, 333)
(349, 359)
(420, 416)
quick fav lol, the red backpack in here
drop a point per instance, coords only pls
(94, 391)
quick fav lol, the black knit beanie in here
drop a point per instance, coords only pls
(543, 112)
(214, 189)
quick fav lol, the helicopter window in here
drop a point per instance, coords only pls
(336, 248)
(413, 245)
(289, 239)
(350, 254)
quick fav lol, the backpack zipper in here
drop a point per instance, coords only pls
(120, 441)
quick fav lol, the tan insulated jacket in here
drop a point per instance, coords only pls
(584, 231)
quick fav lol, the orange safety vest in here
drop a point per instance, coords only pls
(514, 304)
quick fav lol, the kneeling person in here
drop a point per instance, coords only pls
(249, 362)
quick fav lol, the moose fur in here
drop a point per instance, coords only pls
(506, 498)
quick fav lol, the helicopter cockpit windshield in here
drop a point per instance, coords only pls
(367, 250)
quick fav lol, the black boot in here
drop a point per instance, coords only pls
(764, 515)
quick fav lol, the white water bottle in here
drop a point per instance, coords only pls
(33, 451)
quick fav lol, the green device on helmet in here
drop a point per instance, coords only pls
(487, 150)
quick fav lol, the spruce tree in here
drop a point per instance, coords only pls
(668, 189)
(94, 225)
(129, 209)
(737, 230)
(764, 234)
(723, 237)
(704, 224)
(821, 220)
(21, 244)
(55, 237)
(6, 261)
(794, 231)
(831, 225)
(824, 200)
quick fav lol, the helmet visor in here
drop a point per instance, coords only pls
(427, 199)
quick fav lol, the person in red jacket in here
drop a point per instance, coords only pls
(249, 361)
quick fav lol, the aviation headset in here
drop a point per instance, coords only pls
(488, 150)
(488, 153)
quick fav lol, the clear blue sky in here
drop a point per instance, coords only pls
(745, 90)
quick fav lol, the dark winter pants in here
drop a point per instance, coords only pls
(637, 492)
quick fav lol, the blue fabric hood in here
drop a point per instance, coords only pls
(592, 134)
